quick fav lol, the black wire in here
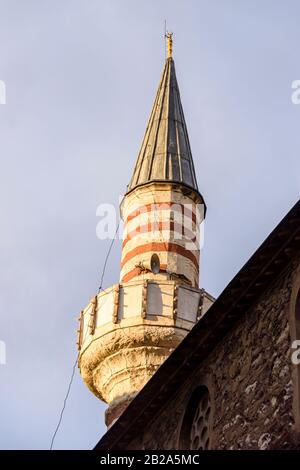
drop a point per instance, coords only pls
(107, 256)
(65, 402)
(75, 364)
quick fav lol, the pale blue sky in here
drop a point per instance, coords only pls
(81, 78)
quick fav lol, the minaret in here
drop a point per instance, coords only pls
(128, 330)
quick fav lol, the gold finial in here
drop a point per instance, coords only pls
(169, 37)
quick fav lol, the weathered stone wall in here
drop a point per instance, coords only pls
(249, 376)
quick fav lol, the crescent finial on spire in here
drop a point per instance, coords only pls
(169, 37)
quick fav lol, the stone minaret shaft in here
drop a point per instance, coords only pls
(128, 330)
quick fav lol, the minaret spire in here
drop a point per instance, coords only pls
(165, 153)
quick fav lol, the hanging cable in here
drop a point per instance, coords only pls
(107, 256)
(75, 364)
(64, 404)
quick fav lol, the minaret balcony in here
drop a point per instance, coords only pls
(127, 331)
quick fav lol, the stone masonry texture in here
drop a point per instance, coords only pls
(249, 377)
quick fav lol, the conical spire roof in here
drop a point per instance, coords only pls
(165, 154)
